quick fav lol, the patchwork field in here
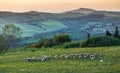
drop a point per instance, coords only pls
(13, 61)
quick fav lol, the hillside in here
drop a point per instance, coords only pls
(75, 22)
(13, 61)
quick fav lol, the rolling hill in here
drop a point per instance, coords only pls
(77, 23)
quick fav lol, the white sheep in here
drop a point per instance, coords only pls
(64, 56)
(43, 58)
(28, 59)
(85, 55)
(101, 61)
(81, 56)
(92, 56)
(33, 59)
(74, 56)
(56, 56)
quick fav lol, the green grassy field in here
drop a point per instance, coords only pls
(13, 61)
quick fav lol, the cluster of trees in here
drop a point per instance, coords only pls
(108, 40)
(108, 34)
(56, 40)
(10, 37)
(100, 42)
(115, 34)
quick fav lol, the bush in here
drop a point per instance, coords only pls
(48, 43)
(83, 44)
(61, 38)
(44, 43)
(100, 41)
(71, 45)
(57, 40)
(34, 45)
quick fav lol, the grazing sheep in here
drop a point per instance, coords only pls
(88, 54)
(85, 55)
(74, 56)
(33, 59)
(101, 61)
(92, 56)
(43, 58)
(28, 59)
(56, 57)
(64, 56)
(81, 56)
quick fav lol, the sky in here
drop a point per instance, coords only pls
(56, 6)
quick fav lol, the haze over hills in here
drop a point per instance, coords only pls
(75, 22)
(82, 10)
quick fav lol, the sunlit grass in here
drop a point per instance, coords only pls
(13, 61)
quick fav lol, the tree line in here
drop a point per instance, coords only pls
(11, 35)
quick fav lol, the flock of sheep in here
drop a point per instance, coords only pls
(44, 58)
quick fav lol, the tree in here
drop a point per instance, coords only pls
(2, 43)
(48, 43)
(88, 36)
(108, 33)
(12, 35)
(116, 33)
(61, 38)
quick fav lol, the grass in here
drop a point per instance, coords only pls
(12, 61)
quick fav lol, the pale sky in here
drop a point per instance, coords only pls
(57, 5)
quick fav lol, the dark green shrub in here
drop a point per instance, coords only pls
(44, 43)
(32, 50)
(41, 42)
(34, 45)
(83, 44)
(48, 43)
(71, 45)
(61, 38)
(100, 41)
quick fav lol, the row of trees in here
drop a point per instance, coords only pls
(10, 37)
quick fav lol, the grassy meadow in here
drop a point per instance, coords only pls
(13, 61)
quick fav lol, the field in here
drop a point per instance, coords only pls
(13, 61)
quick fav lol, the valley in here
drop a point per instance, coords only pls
(77, 23)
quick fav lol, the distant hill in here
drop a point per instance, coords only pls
(82, 10)
(76, 23)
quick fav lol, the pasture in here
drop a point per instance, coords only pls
(13, 61)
